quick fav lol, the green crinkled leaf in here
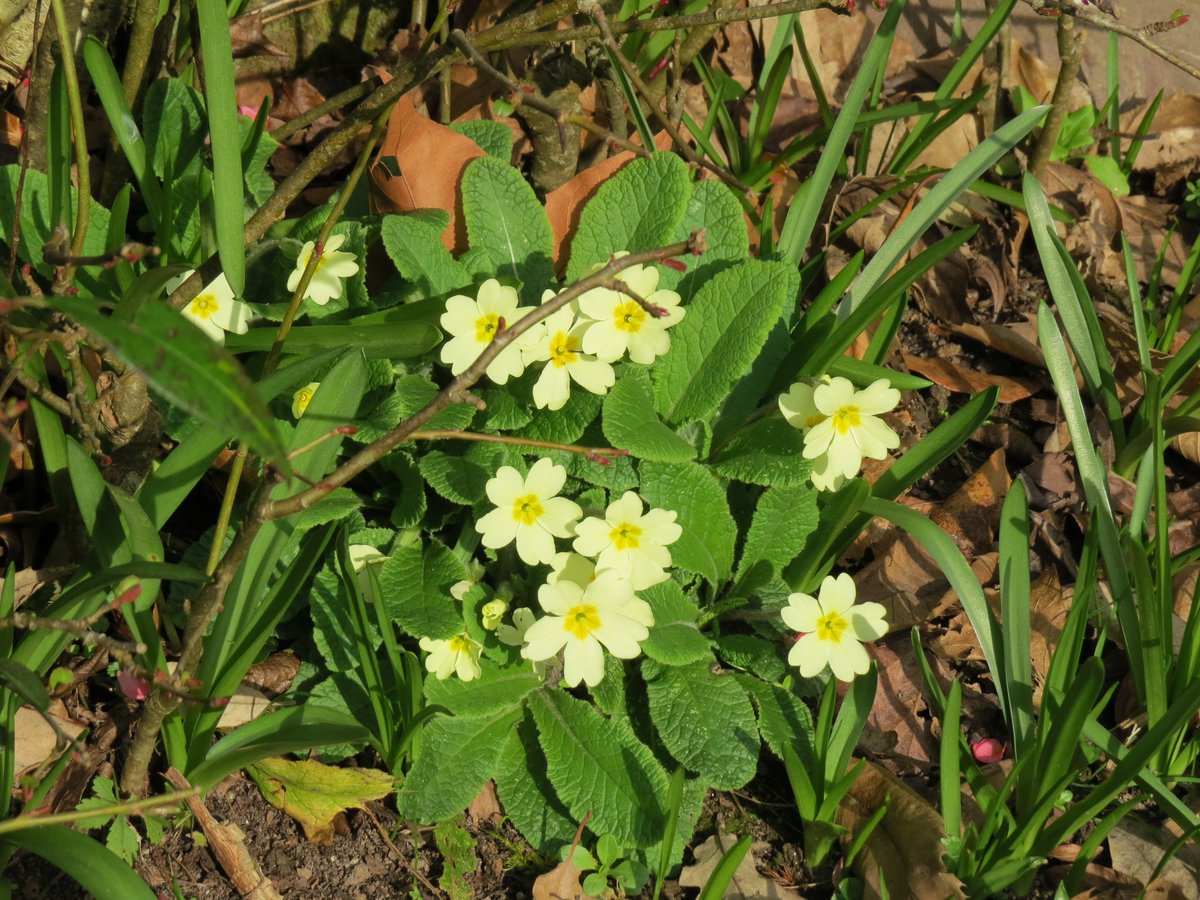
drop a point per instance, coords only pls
(709, 532)
(769, 452)
(414, 392)
(457, 479)
(630, 423)
(713, 207)
(503, 412)
(333, 506)
(494, 692)
(529, 799)
(706, 722)
(599, 765)
(506, 221)
(174, 126)
(188, 368)
(334, 633)
(458, 756)
(783, 719)
(36, 226)
(416, 249)
(726, 325)
(675, 639)
(410, 503)
(754, 654)
(493, 138)
(783, 520)
(416, 590)
(639, 208)
(566, 425)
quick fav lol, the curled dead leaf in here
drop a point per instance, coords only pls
(969, 381)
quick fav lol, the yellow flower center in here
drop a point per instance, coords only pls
(581, 620)
(625, 536)
(845, 418)
(830, 627)
(205, 305)
(527, 509)
(629, 316)
(563, 349)
(486, 328)
(814, 419)
(460, 643)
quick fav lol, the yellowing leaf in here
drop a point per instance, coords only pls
(313, 793)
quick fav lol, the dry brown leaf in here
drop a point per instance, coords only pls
(273, 675)
(905, 579)
(246, 36)
(1188, 446)
(1137, 847)
(560, 883)
(486, 804)
(906, 847)
(747, 882)
(1007, 339)
(1174, 138)
(1099, 882)
(34, 739)
(245, 705)
(896, 725)
(969, 381)
(564, 204)
(1049, 604)
(429, 160)
(972, 513)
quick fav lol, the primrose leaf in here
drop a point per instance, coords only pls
(783, 719)
(188, 368)
(675, 639)
(706, 722)
(529, 799)
(458, 756)
(718, 340)
(495, 691)
(506, 221)
(637, 209)
(458, 480)
(493, 138)
(416, 590)
(714, 208)
(313, 793)
(175, 127)
(420, 257)
(598, 764)
(631, 424)
(706, 545)
(567, 425)
(769, 452)
(783, 520)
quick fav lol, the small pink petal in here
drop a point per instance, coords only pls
(133, 687)
(250, 112)
(987, 751)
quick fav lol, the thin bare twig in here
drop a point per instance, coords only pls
(596, 454)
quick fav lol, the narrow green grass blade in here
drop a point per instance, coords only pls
(1017, 696)
(58, 150)
(952, 564)
(814, 75)
(120, 118)
(220, 98)
(97, 869)
(802, 217)
(717, 886)
(1063, 731)
(1095, 489)
(776, 66)
(1143, 128)
(954, 78)
(631, 99)
(674, 801)
(948, 762)
(940, 196)
(863, 373)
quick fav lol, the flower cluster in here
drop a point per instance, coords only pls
(589, 598)
(841, 426)
(333, 266)
(578, 343)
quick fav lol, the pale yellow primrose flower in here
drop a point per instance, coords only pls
(215, 310)
(633, 544)
(303, 397)
(529, 511)
(842, 426)
(571, 567)
(474, 323)
(621, 324)
(584, 622)
(559, 345)
(333, 266)
(458, 655)
(514, 635)
(832, 629)
(361, 556)
(492, 614)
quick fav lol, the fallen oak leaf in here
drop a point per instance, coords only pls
(969, 381)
